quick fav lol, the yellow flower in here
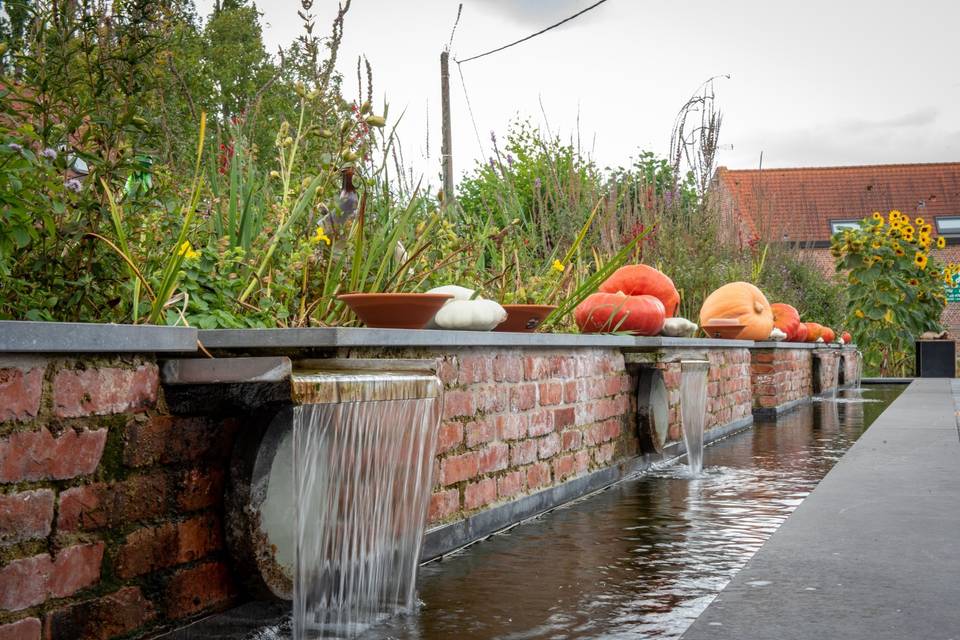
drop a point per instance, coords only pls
(927, 229)
(558, 266)
(913, 282)
(858, 313)
(187, 251)
(319, 237)
(888, 316)
(875, 244)
(919, 222)
(947, 280)
(920, 259)
(877, 216)
(941, 242)
(908, 229)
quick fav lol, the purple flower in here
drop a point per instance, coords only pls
(492, 164)
(510, 160)
(73, 185)
(536, 183)
(493, 137)
(49, 154)
(15, 147)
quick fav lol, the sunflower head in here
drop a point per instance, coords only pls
(920, 259)
(941, 242)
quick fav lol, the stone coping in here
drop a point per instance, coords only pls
(785, 345)
(24, 336)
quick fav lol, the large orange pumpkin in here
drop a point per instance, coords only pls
(786, 318)
(801, 335)
(814, 331)
(828, 335)
(639, 279)
(743, 302)
(605, 312)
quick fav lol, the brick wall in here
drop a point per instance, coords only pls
(826, 362)
(110, 511)
(848, 362)
(780, 376)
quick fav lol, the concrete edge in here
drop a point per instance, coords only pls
(446, 539)
(24, 336)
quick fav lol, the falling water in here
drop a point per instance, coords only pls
(835, 390)
(693, 410)
(362, 475)
(859, 374)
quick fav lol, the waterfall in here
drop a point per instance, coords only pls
(693, 410)
(361, 481)
(859, 374)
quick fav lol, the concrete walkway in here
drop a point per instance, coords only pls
(874, 552)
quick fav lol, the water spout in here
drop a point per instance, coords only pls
(362, 463)
(693, 410)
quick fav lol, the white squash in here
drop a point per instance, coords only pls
(463, 314)
(777, 336)
(678, 328)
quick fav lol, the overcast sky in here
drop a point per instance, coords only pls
(812, 83)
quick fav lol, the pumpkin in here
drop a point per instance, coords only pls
(777, 335)
(638, 280)
(828, 335)
(743, 302)
(847, 338)
(786, 318)
(814, 331)
(605, 312)
(678, 328)
(466, 314)
(801, 335)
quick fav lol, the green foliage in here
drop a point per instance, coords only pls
(895, 287)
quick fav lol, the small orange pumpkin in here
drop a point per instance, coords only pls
(786, 318)
(801, 335)
(607, 312)
(814, 331)
(847, 338)
(828, 335)
(640, 279)
(743, 302)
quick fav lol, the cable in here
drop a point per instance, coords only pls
(476, 131)
(533, 35)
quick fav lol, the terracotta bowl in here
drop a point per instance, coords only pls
(721, 328)
(395, 310)
(525, 318)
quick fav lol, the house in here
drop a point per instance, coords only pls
(806, 206)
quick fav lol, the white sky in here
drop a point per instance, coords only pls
(812, 83)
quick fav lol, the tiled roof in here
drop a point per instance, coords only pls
(801, 202)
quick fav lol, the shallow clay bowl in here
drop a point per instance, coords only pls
(395, 310)
(525, 318)
(724, 329)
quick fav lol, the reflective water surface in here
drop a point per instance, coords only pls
(644, 558)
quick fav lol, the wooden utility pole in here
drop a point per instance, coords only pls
(446, 149)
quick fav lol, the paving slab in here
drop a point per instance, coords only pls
(874, 551)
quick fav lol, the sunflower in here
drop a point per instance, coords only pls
(899, 251)
(941, 242)
(876, 244)
(858, 313)
(907, 228)
(877, 216)
(919, 222)
(895, 214)
(920, 259)
(948, 280)
(913, 282)
(927, 229)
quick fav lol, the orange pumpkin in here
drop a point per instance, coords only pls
(814, 331)
(847, 338)
(828, 335)
(639, 279)
(801, 335)
(786, 318)
(606, 312)
(743, 302)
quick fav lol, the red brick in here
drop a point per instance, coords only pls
(611, 429)
(152, 548)
(474, 369)
(168, 440)
(571, 440)
(205, 587)
(564, 417)
(582, 459)
(458, 468)
(200, 489)
(444, 504)
(536, 367)
(604, 453)
(570, 391)
(510, 485)
(447, 371)
(523, 397)
(30, 581)
(551, 393)
(563, 366)
(480, 432)
(491, 399)
(116, 614)
(450, 436)
(26, 629)
(457, 404)
(507, 368)
(538, 475)
(25, 516)
(549, 446)
(88, 392)
(523, 452)
(20, 393)
(479, 494)
(37, 455)
(494, 457)
(763, 357)
(761, 368)
(512, 426)
(540, 422)
(563, 467)
(108, 505)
